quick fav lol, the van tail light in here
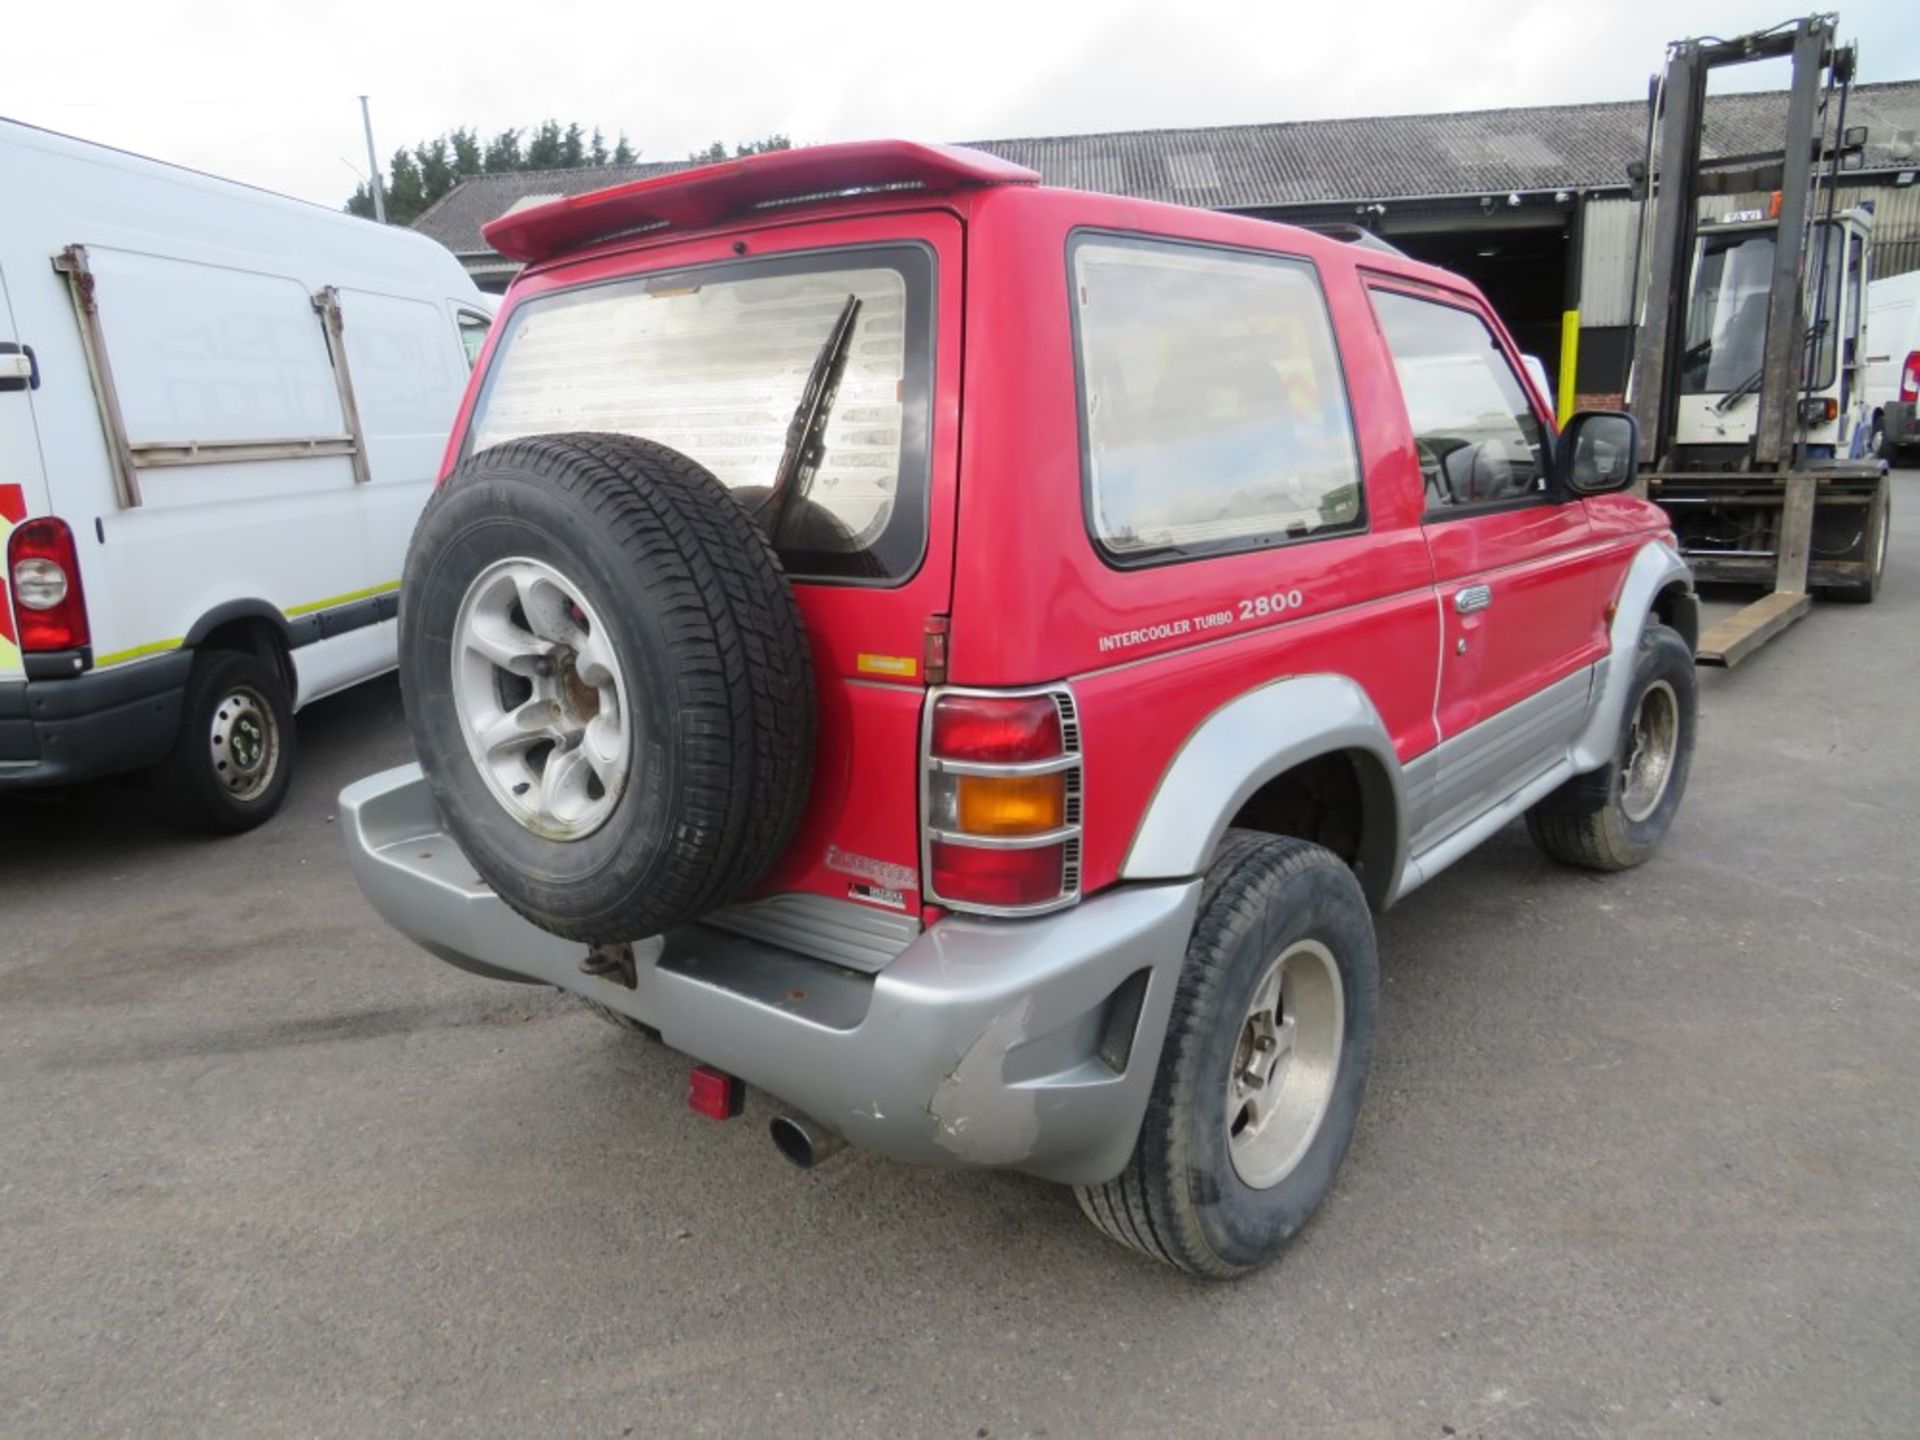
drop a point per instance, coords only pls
(1910, 378)
(43, 574)
(1002, 802)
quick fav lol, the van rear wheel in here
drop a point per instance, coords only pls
(233, 759)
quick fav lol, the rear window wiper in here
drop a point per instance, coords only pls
(803, 451)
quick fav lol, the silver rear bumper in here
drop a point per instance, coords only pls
(1023, 1043)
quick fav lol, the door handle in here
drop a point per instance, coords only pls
(1472, 598)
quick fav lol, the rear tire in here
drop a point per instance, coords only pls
(233, 759)
(1615, 817)
(1241, 1140)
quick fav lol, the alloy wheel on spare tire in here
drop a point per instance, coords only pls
(607, 681)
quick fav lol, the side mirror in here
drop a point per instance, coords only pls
(1598, 452)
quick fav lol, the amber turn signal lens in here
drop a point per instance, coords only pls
(1011, 804)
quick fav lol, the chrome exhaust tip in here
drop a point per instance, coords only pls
(803, 1141)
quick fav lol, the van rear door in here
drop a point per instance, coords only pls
(22, 483)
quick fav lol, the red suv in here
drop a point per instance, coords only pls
(968, 658)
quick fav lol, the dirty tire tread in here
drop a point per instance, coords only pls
(737, 657)
(757, 620)
(1581, 824)
(1147, 1206)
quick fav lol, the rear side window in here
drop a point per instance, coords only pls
(1477, 437)
(1214, 414)
(473, 333)
(713, 362)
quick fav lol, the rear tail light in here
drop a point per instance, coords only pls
(43, 572)
(1003, 802)
(1910, 378)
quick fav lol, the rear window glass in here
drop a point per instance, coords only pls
(1214, 411)
(714, 361)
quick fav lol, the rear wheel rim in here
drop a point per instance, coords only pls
(541, 699)
(1285, 1061)
(244, 743)
(1653, 740)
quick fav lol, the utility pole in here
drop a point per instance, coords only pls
(373, 166)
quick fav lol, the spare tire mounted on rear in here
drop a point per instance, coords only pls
(607, 682)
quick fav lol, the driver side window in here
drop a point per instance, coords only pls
(1479, 442)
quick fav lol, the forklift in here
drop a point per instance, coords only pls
(1750, 358)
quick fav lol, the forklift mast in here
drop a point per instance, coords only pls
(1780, 504)
(1678, 121)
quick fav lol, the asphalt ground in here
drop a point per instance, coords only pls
(1640, 1156)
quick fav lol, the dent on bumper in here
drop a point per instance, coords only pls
(985, 1042)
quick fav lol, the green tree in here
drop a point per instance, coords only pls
(546, 149)
(419, 175)
(437, 175)
(466, 152)
(717, 151)
(406, 197)
(503, 153)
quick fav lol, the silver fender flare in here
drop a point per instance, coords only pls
(1247, 742)
(1656, 566)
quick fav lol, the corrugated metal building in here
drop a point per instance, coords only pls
(1532, 204)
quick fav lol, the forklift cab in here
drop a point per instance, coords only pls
(1720, 369)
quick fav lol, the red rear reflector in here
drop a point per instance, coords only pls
(994, 730)
(43, 574)
(982, 876)
(714, 1093)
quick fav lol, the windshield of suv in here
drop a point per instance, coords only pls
(713, 362)
(1727, 313)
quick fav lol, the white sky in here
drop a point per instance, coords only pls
(264, 90)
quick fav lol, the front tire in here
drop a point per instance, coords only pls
(233, 759)
(1265, 1062)
(1615, 817)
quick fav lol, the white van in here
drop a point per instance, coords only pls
(220, 413)
(1893, 363)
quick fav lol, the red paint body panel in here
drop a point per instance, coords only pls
(1150, 652)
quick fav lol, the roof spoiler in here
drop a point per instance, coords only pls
(1348, 233)
(708, 194)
